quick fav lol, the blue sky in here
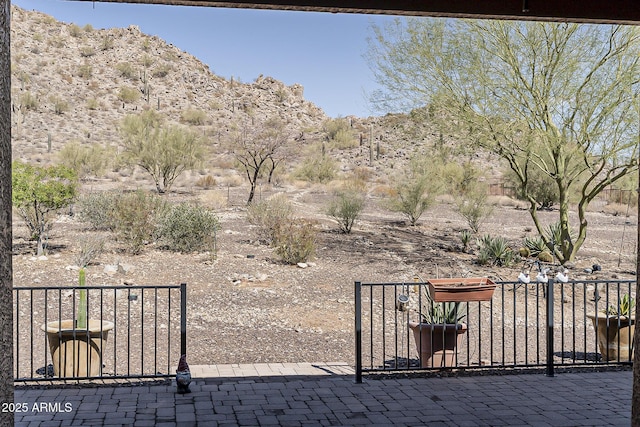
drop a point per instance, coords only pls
(321, 51)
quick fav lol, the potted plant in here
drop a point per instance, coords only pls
(439, 333)
(76, 344)
(615, 328)
(461, 289)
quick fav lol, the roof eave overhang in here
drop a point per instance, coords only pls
(597, 11)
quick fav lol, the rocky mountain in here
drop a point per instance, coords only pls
(76, 84)
(72, 83)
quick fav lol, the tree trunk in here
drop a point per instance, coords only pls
(253, 180)
(6, 269)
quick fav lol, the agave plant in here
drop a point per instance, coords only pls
(465, 238)
(625, 307)
(495, 250)
(440, 312)
(535, 245)
(553, 233)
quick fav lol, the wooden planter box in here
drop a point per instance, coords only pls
(461, 289)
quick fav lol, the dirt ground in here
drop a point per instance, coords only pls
(247, 306)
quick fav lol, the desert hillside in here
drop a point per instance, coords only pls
(74, 83)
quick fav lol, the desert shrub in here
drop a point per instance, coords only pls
(128, 94)
(495, 251)
(86, 160)
(317, 169)
(296, 241)
(88, 28)
(194, 117)
(187, 228)
(106, 43)
(339, 133)
(85, 71)
(412, 197)
(147, 60)
(75, 30)
(92, 104)
(146, 44)
(415, 189)
(91, 246)
(29, 101)
(60, 106)
(135, 218)
(206, 182)
(126, 70)
(345, 208)
(162, 70)
(472, 204)
(362, 174)
(471, 194)
(96, 209)
(56, 41)
(269, 216)
(87, 51)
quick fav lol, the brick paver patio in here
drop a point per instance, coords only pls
(303, 394)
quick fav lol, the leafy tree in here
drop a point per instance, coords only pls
(258, 148)
(164, 151)
(556, 98)
(39, 192)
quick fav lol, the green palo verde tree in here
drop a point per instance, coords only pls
(553, 98)
(39, 192)
(164, 151)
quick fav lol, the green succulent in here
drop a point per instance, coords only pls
(625, 307)
(440, 312)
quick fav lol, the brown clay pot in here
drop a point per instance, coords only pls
(77, 352)
(461, 289)
(437, 344)
(615, 338)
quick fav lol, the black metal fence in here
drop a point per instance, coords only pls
(133, 332)
(523, 325)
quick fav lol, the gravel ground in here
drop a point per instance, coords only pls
(247, 306)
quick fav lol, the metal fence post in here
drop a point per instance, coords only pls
(183, 318)
(550, 367)
(358, 331)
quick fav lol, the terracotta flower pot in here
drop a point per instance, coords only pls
(615, 339)
(461, 289)
(77, 352)
(437, 344)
